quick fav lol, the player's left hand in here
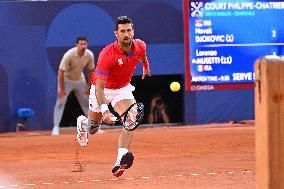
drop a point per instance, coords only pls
(146, 72)
(108, 118)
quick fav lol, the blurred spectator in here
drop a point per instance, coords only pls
(71, 78)
(158, 111)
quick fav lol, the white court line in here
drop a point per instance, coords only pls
(144, 177)
(29, 184)
(194, 174)
(178, 175)
(114, 179)
(212, 173)
(129, 178)
(247, 171)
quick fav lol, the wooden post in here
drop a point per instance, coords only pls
(269, 120)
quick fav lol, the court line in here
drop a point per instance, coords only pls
(212, 173)
(29, 184)
(145, 177)
(127, 178)
(47, 183)
(194, 174)
(178, 175)
(96, 180)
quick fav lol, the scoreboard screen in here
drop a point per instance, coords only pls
(224, 38)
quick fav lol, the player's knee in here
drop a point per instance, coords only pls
(127, 132)
(93, 126)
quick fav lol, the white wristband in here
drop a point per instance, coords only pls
(104, 108)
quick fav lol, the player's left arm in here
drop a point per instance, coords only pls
(146, 66)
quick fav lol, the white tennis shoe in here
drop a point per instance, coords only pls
(55, 131)
(82, 130)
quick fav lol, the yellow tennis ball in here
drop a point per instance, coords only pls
(175, 86)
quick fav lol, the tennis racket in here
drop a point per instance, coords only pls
(132, 117)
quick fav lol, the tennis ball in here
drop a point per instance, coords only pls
(175, 86)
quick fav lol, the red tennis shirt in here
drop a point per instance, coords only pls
(117, 67)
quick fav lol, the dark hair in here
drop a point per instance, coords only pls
(81, 38)
(122, 20)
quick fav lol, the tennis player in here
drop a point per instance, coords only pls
(111, 84)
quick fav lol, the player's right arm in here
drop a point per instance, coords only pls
(101, 75)
(100, 95)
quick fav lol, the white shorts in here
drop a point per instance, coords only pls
(112, 96)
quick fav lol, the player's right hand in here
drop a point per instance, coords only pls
(61, 93)
(108, 118)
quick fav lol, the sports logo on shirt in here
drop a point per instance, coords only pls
(120, 62)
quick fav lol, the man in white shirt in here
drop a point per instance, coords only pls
(72, 78)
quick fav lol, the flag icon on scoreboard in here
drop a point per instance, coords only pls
(198, 23)
(200, 68)
(204, 68)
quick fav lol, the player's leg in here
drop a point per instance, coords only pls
(94, 115)
(125, 136)
(59, 108)
(123, 100)
(92, 123)
(87, 125)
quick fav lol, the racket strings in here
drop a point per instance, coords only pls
(133, 117)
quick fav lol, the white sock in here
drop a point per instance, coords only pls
(121, 152)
